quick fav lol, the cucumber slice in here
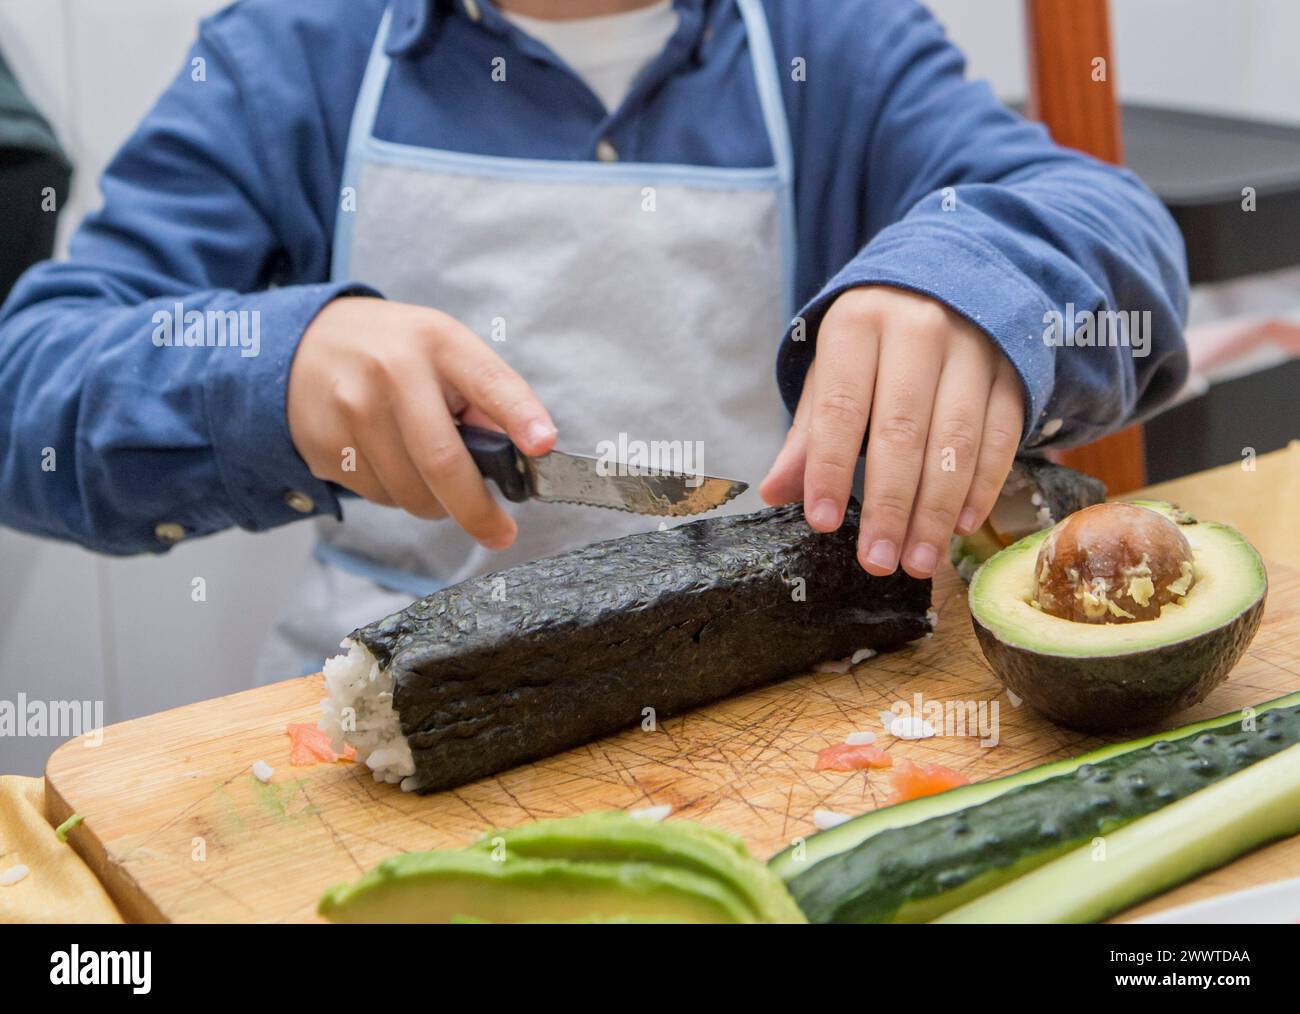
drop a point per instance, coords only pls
(802, 856)
(1201, 832)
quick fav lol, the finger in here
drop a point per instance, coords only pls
(341, 462)
(361, 479)
(951, 455)
(848, 349)
(910, 364)
(784, 480)
(488, 383)
(387, 451)
(1003, 422)
(442, 464)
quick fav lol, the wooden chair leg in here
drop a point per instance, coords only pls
(1072, 91)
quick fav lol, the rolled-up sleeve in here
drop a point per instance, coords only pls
(142, 380)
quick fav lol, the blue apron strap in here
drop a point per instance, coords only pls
(768, 80)
(359, 134)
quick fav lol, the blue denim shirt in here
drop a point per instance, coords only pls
(225, 200)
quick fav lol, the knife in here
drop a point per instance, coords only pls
(560, 477)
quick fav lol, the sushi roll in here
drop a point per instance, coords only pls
(513, 666)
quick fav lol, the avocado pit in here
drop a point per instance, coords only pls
(1112, 563)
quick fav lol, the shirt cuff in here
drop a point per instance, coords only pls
(266, 480)
(969, 276)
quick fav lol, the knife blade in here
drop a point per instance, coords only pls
(562, 477)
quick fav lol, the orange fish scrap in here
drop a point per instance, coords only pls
(308, 746)
(912, 781)
(852, 757)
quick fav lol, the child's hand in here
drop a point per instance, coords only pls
(946, 411)
(385, 381)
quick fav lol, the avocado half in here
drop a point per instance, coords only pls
(1104, 677)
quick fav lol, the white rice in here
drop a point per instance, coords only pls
(861, 655)
(911, 727)
(827, 819)
(651, 813)
(262, 771)
(860, 738)
(14, 874)
(358, 709)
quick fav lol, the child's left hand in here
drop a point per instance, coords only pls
(946, 411)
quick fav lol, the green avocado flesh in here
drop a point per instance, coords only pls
(916, 871)
(615, 836)
(1104, 676)
(1207, 829)
(599, 867)
(451, 886)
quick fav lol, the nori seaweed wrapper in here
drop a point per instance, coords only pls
(513, 666)
(1064, 490)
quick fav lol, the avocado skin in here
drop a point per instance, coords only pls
(1117, 692)
(511, 667)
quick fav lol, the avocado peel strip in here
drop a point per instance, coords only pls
(597, 867)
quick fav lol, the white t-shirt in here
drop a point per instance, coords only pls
(609, 51)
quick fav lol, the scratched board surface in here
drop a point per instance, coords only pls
(179, 829)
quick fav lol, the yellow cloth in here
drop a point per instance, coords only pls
(60, 887)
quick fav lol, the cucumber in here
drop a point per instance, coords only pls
(800, 857)
(1207, 829)
(947, 855)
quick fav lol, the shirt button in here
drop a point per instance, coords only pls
(169, 532)
(471, 10)
(605, 151)
(299, 501)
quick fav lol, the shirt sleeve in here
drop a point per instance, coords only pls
(962, 200)
(142, 381)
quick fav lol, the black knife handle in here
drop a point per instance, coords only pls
(498, 460)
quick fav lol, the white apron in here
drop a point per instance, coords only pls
(643, 300)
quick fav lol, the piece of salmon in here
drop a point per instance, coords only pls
(852, 757)
(308, 746)
(912, 781)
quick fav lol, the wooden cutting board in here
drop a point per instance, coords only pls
(178, 829)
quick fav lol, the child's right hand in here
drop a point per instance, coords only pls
(378, 386)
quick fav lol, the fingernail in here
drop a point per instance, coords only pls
(824, 515)
(539, 432)
(923, 559)
(966, 521)
(883, 554)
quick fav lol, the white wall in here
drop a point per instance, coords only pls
(126, 632)
(74, 626)
(1236, 58)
